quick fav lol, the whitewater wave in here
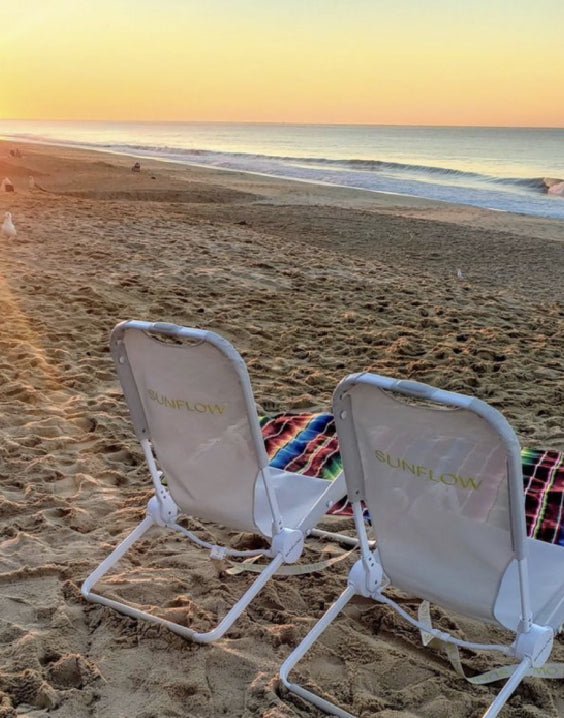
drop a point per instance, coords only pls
(535, 184)
(525, 195)
(433, 173)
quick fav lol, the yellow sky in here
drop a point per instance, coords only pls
(352, 61)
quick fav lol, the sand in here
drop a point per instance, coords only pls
(309, 283)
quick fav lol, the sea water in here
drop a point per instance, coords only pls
(507, 169)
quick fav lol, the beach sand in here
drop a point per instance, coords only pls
(309, 283)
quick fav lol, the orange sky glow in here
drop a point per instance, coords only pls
(493, 63)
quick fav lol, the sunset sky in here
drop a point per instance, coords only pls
(437, 62)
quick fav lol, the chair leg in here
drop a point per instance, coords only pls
(299, 652)
(509, 687)
(116, 554)
(206, 637)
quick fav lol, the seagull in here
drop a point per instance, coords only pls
(459, 274)
(31, 182)
(8, 226)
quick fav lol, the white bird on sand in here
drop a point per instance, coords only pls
(8, 226)
(459, 274)
(31, 182)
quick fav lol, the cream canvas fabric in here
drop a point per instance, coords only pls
(199, 429)
(436, 487)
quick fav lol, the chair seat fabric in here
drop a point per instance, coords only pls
(296, 493)
(546, 577)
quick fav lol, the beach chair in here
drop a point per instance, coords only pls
(441, 475)
(192, 406)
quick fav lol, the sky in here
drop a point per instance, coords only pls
(414, 62)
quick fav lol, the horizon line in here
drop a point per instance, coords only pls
(289, 123)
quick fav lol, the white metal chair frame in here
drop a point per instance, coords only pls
(533, 643)
(286, 543)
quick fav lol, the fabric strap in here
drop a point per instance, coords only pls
(549, 670)
(287, 570)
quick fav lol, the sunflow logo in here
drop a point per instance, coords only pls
(425, 472)
(185, 405)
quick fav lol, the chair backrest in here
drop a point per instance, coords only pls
(442, 485)
(189, 393)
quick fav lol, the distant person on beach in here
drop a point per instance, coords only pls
(6, 185)
(136, 167)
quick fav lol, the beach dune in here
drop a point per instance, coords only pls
(309, 284)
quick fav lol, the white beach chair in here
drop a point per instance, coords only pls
(190, 398)
(441, 476)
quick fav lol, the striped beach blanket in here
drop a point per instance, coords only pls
(307, 444)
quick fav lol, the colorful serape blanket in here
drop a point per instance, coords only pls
(307, 444)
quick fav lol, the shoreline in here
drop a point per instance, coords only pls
(406, 205)
(309, 284)
(406, 199)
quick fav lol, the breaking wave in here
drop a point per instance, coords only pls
(538, 196)
(534, 184)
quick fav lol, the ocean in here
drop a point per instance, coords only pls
(505, 169)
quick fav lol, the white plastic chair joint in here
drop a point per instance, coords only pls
(218, 553)
(288, 543)
(525, 624)
(162, 509)
(366, 578)
(536, 645)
